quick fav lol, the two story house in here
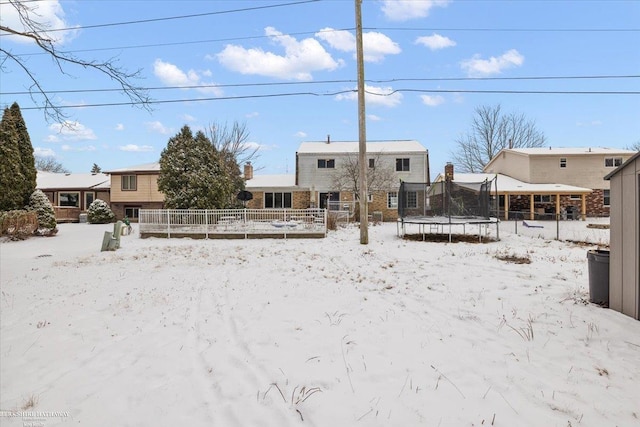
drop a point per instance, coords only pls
(326, 171)
(135, 188)
(579, 167)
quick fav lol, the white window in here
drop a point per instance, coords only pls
(575, 197)
(563, 162)
(402, 165)
(392, 200)
(129, 183)
(131, 212)
(612, 162)
(542, 198)
(411, 200)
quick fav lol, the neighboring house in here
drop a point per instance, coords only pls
(541, 200)
(72, 193)
(274, 191)
(135, 188)
(317, 163)
(580, 167)
(624, 262)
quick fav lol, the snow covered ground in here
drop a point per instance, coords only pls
(322, 332)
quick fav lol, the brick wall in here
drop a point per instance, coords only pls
(118, 207)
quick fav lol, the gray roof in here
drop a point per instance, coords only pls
(558, 151)
(75, 181)
(271, 181)
(506, 184)
(338, 147)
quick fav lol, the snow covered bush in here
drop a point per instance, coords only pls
(40, 204)
(99, 212)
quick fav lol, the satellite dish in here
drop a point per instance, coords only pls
(245, 195)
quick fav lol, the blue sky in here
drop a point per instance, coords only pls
(287, 71)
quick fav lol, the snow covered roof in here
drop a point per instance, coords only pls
(147, 167)
(555, 151)
(271, 181)
(61, 181)
(506, 184)
(353, 147)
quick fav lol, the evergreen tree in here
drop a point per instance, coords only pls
(96, 169)
(99, 212)
(190, 173)
(40, 203)
(27, 161)
(11, 178)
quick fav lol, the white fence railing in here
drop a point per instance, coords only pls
(247, 222)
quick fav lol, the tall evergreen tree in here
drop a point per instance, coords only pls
(190, 173)
(95, 168)
(11, 178)
(27, 161)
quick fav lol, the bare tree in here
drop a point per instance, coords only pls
(491, 131)
(347, 175)
(37, 31)
(232, 140)
(49, 164)
(634, 147)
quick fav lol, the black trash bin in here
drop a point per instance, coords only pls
(598, 260)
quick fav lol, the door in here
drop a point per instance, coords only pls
(327, 198)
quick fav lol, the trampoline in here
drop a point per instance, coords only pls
(446, 205)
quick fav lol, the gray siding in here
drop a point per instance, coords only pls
(624, 263)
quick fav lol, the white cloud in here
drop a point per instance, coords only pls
(252, 115)
(432, 101)
(300, 58)
(384, 96)
(157, 127)
(494, 65)
(300, 134)
(119, 127)
(67, 147)
(172, 75)
(373, 117)
(375, 45)
(70, 131)
(188, 118)
(48, 14)
(435, 41)
(589, 124)
(43, 152)
(136, 148)
(404, 10)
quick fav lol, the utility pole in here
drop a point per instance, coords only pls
(362, 132)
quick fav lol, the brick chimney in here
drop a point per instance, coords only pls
(448, 171)
(248, 171)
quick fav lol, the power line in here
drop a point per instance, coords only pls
(314, 94)
(344, 81)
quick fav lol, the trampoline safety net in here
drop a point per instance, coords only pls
(445, 199)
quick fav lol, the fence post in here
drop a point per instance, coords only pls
(206, 223)
(557, 226)
(168, 223)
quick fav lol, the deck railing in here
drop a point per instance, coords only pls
(246, 222)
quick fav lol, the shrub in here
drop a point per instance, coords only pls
(40, 204)
(99, 212)
(18, 224)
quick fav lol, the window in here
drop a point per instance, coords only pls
(402, 165)
(326, 163)
(370, 197)
(277, 200)
(412, 199)
(575, 197)
(129, 183)
(612, 162)
(563, 162)
(372, 163)
(392, 199)
(69, 199)
(89, 197)
(542, 198)
(606, 198)
(131, 212)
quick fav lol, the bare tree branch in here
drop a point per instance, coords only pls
(37, 32)
(492, 131)
(347, 176)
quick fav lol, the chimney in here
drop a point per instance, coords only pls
(510, 143)
(448, 171)
(328, 139)
(248, 171)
